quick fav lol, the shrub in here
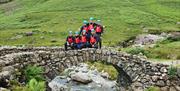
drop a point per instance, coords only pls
(172, 71)
(153, 89)
(34, 72)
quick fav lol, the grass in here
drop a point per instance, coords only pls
(107, 68)
(162, 51)
(123, 18)
(54, 18)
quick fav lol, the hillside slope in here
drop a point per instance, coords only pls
(52, 18)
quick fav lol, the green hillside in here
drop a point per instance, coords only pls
(53, 18)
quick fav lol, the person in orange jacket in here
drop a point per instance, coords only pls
(99, 28)
(77, 41)
(93, 39)
(84, 39)
(69, 41)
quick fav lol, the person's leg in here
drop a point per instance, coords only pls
(96, 45)
(65, 46)
(75, 46)
(79, 45)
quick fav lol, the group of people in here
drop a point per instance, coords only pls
(89, 36)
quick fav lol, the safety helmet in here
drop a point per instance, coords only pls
(85, 22)
(91, 18)
(70, 32)
(84, 31)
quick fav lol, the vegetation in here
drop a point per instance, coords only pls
(153, 89)
(172, 71)
(34, 72)
(122, 18)
(166, 49)
(51, 19)
(33, 85)
(106, 68)
(33, 78)
(136, 50)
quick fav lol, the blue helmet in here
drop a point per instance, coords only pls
(84, 31)
(91, 18)
(85, 22)
(76, 32)
(92, 30)
(70, 32)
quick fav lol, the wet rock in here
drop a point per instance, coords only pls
(81, 77)
(58, 84)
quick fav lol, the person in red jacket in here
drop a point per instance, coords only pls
(69, 41)
(99, 28)
(84, 39)
(93, 39)
(84, 27)
(77, 41)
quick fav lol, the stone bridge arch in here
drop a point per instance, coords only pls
(134, 71)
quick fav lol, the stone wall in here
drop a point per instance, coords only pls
(134, 72)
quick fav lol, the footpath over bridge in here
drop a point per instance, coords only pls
(134, 71)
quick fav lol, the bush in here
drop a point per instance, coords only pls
(34, 72)
(153, 89)
(172, 71)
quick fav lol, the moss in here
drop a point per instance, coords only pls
(106, 67)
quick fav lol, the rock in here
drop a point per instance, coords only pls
(172, 89)
(174, 36)
(81, 77)
(28, 33)
(177, 88)
(163, 69)
(160, 83)
(105, 75)
(58, 84)
(155, 78)
(147, 39)
(4, 89)
(178, 23)
(8, 68)
(164, 88)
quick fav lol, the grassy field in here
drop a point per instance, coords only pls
(51, 19)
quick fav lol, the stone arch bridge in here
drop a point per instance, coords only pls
(134, 71)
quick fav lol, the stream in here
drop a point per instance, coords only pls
(82, 78)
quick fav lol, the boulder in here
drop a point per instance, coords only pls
(81, 77)
(58, 84)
